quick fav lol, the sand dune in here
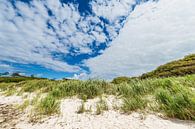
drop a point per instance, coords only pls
(70, 119)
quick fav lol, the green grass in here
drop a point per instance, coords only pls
(23, 106)
(180, 67)
(89, 89)
(174, 96)
(177, 103)
(16, 79)
(37, 85)
(81, 108)
(101, 106)
(10, 92)
(133, 104)
(48, 106)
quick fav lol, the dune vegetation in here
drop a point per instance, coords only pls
(172, 96)
(180, 67)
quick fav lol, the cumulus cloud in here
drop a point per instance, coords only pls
(112, 9)
(24, 36)
(31, 32)
(153, 34)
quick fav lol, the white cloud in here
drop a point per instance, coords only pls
(26, 38)
(153, 34)
(22, 36)
(5, 68)
(79, 76)
(112, 9)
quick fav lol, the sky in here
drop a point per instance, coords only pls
(102, 39)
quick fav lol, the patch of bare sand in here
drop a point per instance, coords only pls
(111, 119)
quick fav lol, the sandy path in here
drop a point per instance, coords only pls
(70, 119)
(9, 116)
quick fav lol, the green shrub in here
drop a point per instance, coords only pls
(119, 80)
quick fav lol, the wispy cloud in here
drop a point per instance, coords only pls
(154, 34)
(6, 68)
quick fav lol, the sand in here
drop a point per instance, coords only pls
(70, 119)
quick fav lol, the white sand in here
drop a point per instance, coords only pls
(111, 119)
(10, 99)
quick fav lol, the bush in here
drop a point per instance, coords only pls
(119, 80)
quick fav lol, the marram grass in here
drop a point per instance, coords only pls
(174, 96)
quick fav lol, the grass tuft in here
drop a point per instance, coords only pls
(48, 106)
(101, 106)
(81, 108)
(133, 104)
(177, 105)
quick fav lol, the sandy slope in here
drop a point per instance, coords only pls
(70, 119)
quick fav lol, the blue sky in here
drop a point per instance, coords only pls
(93, 38)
